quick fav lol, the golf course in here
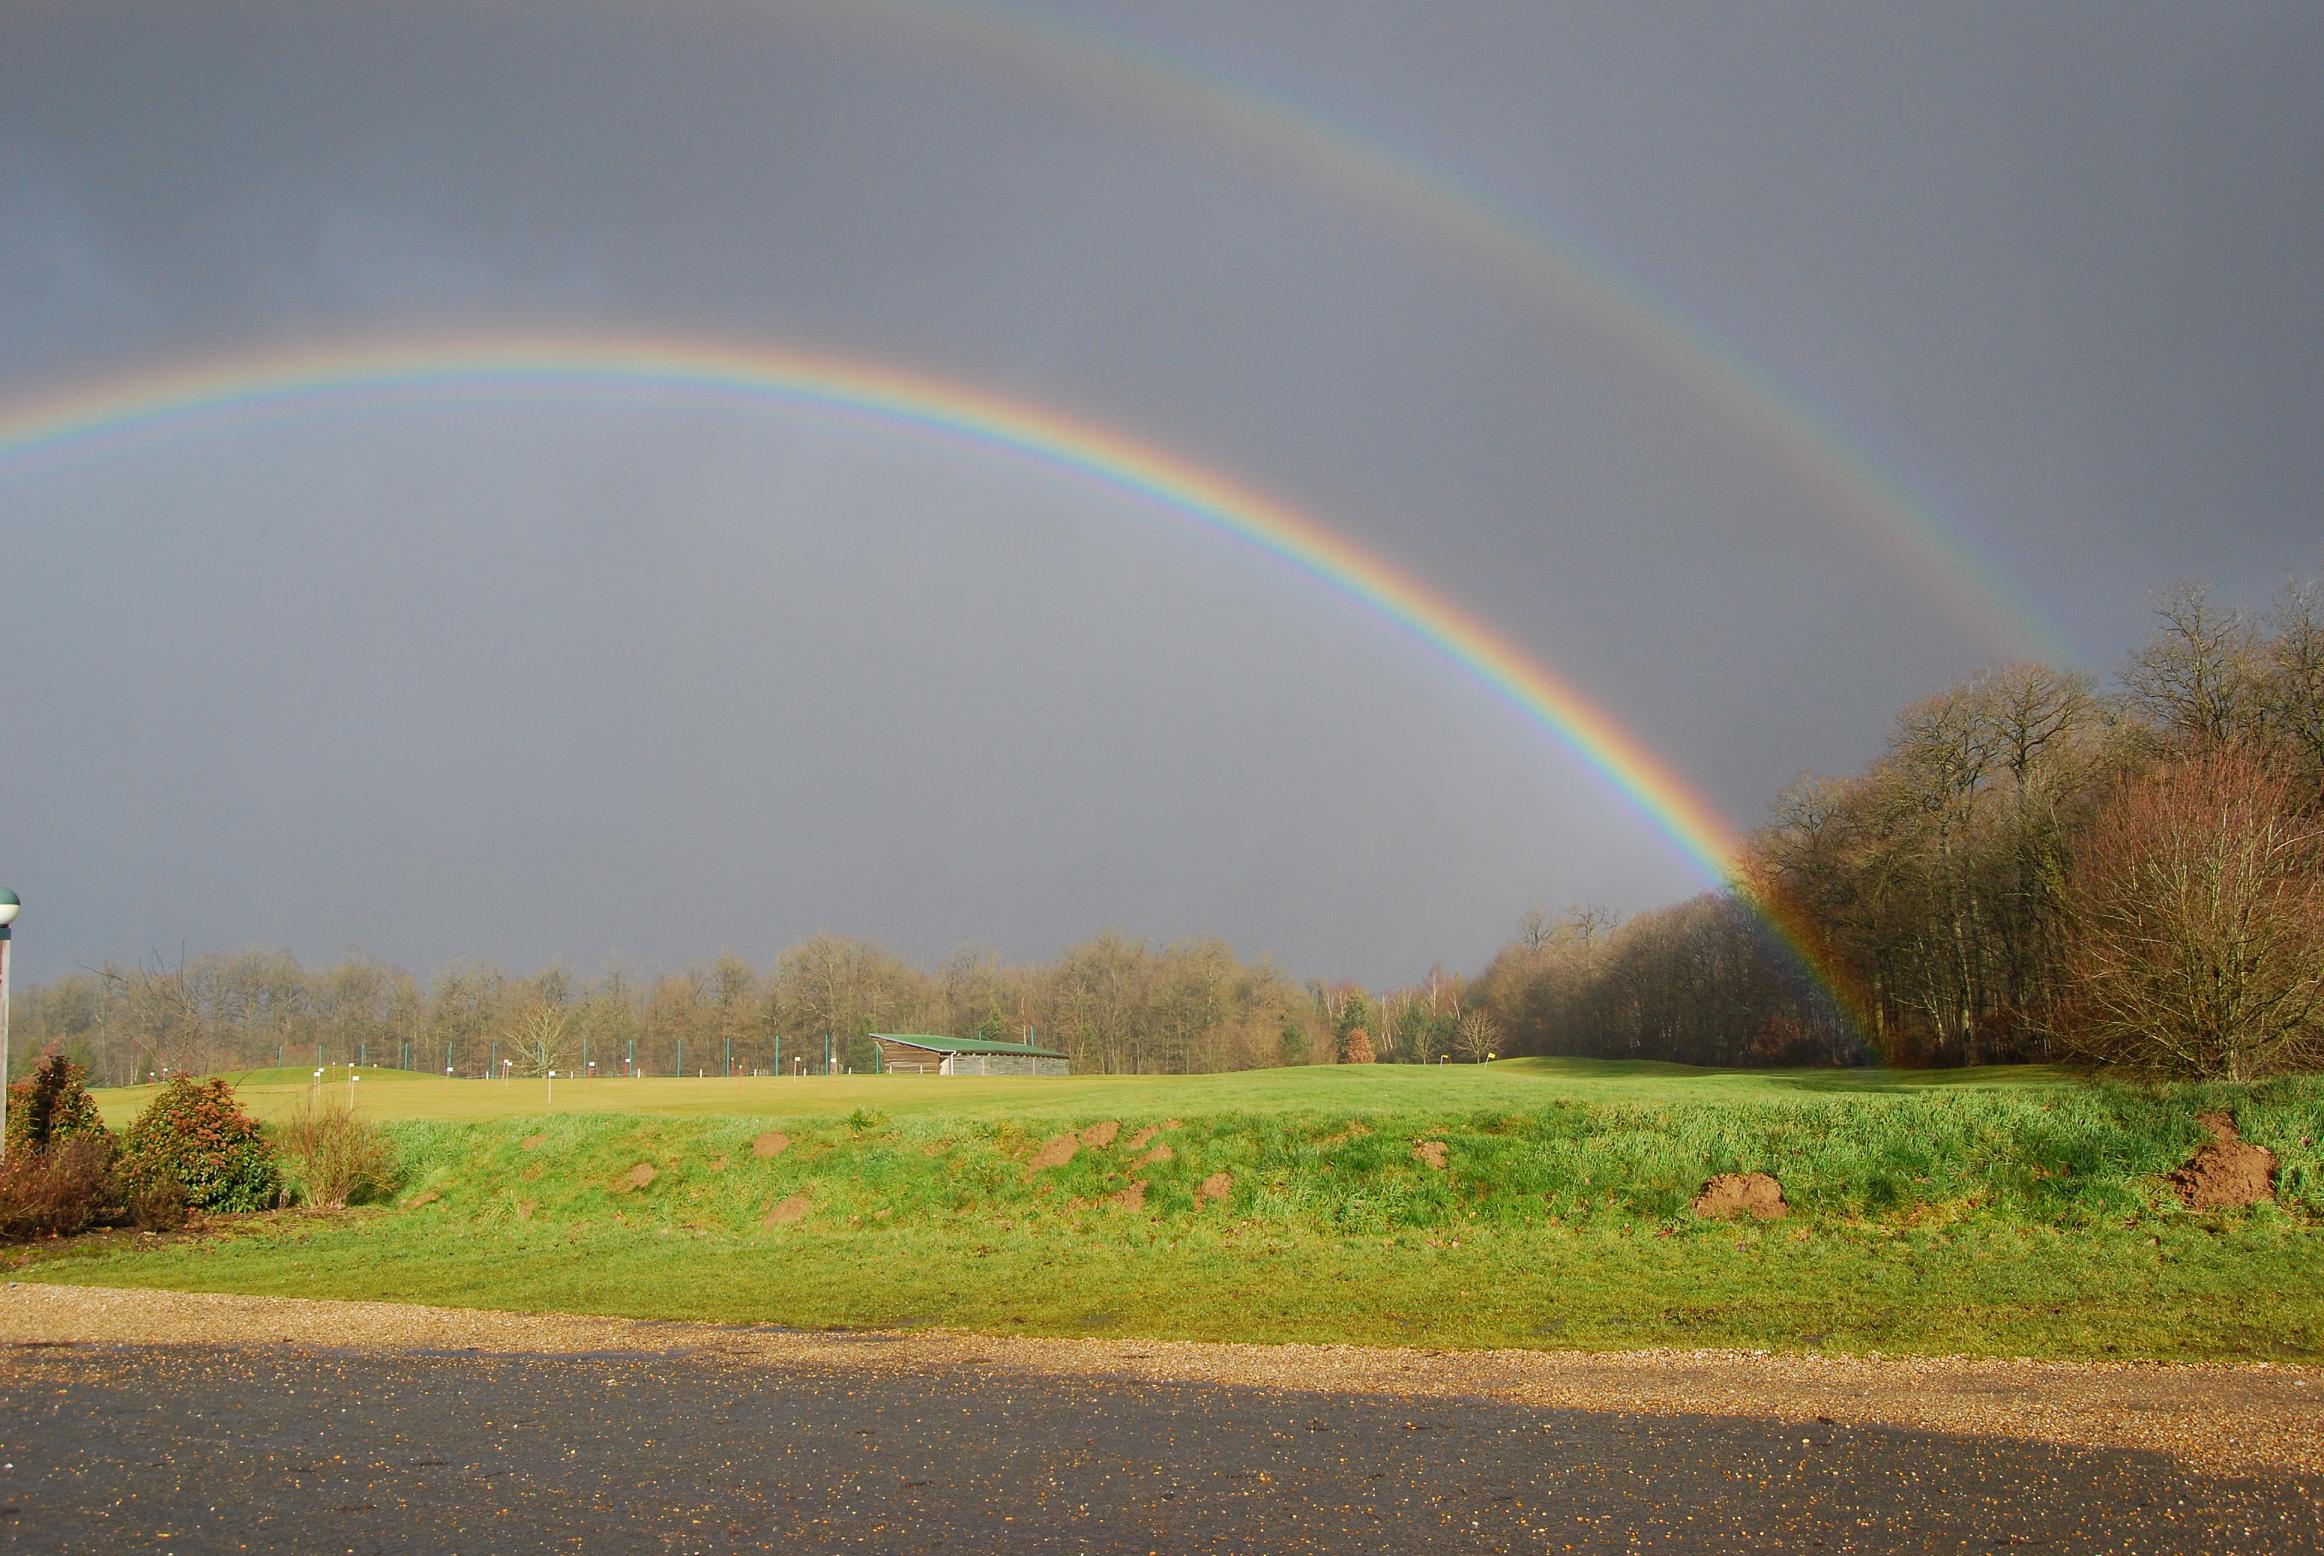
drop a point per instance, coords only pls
(1527, 1203)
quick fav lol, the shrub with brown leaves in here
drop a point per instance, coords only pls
(332, 1157)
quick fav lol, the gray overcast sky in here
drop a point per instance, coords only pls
(583, 674)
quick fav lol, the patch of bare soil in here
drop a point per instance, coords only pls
(1353, 1131)
(1160, 1153)
(1733, 1194)
(1056, 1152)
(636, 1178)
(718, 1164)
(1131, 1198)
(533, 1142)
(792, 1209)
(935, 1148)
(1431, 1152)
(2227, 1172)
(1214, 1188)
(423, 1197)
(525, 1209)
(773, 1143)
(1098, 1136)
(1137, 1142)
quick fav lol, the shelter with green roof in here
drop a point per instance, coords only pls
(923, 1053)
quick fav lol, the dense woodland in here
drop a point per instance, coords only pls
(2034, 867)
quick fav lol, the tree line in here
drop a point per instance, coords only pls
(1113, 1003)
(2033, 867)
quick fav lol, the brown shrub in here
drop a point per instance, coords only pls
(57, 1189)
(333, 1157)
(2195, 914)
(1357, 1048)
(158, 1205)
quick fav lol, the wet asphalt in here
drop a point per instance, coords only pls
(119, 1449)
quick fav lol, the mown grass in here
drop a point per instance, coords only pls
(2023, 1215)
(1311, 1091)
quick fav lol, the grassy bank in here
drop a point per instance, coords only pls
(2028, 1217)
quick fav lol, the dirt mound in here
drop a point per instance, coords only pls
(1160, 1153)
(1353, 1131)
(718, 1164)
(533, 1142)
(2227, 1172)
(1733, 1194)
(636, 1178)
(423, 1197)
(935, 1148)
(1098, 1136)
(1431, 1152)
(1213, 1189)
(1056, 1152)
(1131, 1198)
(792, 1209)
(773, 1143)
(1137, 1142)
(525, 1209)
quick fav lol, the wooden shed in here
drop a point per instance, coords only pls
(909, 1053)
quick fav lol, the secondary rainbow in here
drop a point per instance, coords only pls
(1434, 206)
(87, 420)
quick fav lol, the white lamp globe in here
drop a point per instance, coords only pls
(10, 906)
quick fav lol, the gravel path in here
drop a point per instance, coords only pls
(2216, 1419)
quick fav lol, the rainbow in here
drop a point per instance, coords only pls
(1434, 206)
(84, 421)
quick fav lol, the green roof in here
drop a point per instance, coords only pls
(964, 1045)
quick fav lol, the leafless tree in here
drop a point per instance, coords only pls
(2197, 925)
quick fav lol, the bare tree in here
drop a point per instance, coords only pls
(2197, 925)
(1475, 1036)
(537, 1038)
(2295, 674)
(2197, 678)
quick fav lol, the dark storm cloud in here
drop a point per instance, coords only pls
(553, 680)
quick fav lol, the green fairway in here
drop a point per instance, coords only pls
(1531, 1202)
(1355, 1090)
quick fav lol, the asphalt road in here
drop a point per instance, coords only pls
(198, 1449)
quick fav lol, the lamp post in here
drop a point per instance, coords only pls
(10, 906)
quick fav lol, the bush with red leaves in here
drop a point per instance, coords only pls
(194, 1134)
(54, 1105)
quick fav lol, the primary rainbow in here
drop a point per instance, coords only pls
(85, 420)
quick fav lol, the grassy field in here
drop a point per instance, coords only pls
(1531, 1203)
(1314, 1091)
